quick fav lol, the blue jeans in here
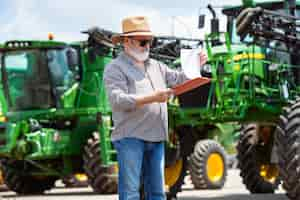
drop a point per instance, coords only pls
(136, 159)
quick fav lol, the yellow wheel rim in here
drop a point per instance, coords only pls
(81, 177)
(215, 167)
(1, 178)
(172, 173)
(269, 173)
(116, 168)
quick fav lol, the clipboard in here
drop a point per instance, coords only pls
(190, 85)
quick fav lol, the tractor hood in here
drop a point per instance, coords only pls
(221, 49)
(239, 51)
(31, 44)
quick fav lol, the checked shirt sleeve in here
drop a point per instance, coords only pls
(116, 86)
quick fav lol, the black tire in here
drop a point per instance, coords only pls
(103, 179)
(287, 143)
(250, 159)
(200, 176)
(18, 180)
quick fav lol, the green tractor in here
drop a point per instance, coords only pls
(57, 118)
(250, 84)
(280, 31)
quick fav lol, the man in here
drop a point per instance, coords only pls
(138, 91)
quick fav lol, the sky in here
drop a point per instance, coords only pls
(34, 19)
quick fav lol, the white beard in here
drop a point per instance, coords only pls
(139, 56)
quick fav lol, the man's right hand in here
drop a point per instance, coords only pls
(159, 96)
(162, 95)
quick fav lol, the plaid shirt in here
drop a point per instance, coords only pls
(123, 82)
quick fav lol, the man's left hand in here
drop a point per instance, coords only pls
(203, 58)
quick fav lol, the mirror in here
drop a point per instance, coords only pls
(201, 21)
(72, 58)
(215, 25)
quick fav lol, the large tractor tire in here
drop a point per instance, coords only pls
(207, 165)
(258, 174)
(288, 149)
(174, 177)
(17, 179)
(103, 179)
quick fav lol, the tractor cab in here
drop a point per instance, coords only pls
(38, 75)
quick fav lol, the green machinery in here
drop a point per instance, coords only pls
(251, 84)
(280, 32)
(54, 107)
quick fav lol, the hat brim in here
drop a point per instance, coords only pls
(119, 37)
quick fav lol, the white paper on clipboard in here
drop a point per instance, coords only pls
(190, 62)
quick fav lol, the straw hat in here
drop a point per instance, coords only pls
(133, 26)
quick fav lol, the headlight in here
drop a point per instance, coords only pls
(206, 68)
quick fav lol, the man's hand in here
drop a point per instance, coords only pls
(203, 58)
(162, 95)
(158, 96)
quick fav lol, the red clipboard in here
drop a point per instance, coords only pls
(190, 85)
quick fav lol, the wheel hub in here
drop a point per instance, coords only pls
(215, 167)
(81, 177)
(172, 173)
(269, 173)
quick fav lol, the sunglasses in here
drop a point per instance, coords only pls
(143, 43)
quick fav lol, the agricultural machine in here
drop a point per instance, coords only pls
(279, 32)
(252, 82)
(55, 108)
(240, 90)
